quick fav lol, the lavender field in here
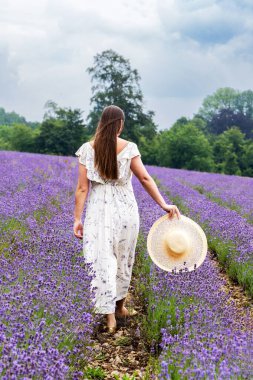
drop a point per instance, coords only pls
(234, 192)
(194, 327)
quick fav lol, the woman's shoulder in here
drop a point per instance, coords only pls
(126, 143)
(130, 150)
(122, 141)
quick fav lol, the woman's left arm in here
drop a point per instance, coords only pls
(81, 193)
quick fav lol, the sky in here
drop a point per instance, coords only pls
(183, 50)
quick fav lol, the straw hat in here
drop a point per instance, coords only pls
(177, 245)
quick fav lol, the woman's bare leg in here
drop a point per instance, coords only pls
(120, 304)
(111, 321)
(120, 308)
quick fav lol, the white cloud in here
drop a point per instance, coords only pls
(183, 51)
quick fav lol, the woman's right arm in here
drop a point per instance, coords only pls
(150, 186)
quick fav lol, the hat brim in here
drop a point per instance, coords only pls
(156, 250)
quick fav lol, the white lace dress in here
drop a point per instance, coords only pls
(111, 228)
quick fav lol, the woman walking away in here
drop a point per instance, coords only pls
(111, 224)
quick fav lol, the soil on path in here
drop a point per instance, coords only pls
(123, 352)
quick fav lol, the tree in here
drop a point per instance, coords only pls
(223, 98)
(231, 165)
(201, 124)
(226, 118)
(5, 137)
(228, 151)
(185, 147)
(244, 103)
(179, 122)
(247, 159)
(115, 82)
(228, 107)
(149, 149)
(62, 130)
(11, 118)
(22, 138)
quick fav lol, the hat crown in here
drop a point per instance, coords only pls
(177, 242)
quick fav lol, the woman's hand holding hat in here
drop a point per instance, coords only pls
(172, 210)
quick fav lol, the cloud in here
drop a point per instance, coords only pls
(8, 73)
(183, 51)
(205, 45)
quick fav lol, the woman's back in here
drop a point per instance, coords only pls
(126, 152)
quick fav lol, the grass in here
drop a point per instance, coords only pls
(41, 215)
(13, 230)
(126, 376)
(123, 341)
(94, 373)
(56, 202)
(13, 224)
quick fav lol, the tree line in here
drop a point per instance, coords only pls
(218, 138)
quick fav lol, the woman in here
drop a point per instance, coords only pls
(111, 224)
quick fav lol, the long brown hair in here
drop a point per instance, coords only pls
(105, 141)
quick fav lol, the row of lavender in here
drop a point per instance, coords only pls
(203, 336)
(232, 191)
(229, 234)
(46, 313)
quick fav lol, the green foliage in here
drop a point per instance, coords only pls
(123, 341)
(149, 149)
(228, 107)
(247, 159)
(19, 137)
(62, 130)
(229, 152)
(185, 146)
(231, 163)
(22, 138)
(126, 376)
(94, 373)
(223, 98)
(117, 83)
(5, 137)
(10, 118)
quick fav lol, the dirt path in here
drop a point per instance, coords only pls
(123, 352)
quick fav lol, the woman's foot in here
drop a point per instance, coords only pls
(123, 312)
(111, 324)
